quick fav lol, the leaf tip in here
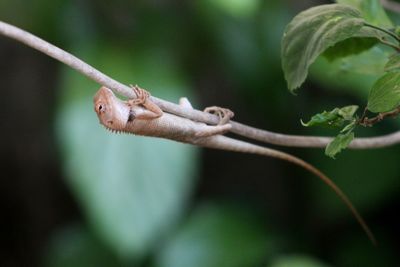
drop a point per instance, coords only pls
(303, 123)
(293, 89)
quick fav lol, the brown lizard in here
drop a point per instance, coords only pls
(142, 117)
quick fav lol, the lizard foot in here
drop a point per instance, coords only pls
(224, 114)
(141, 95)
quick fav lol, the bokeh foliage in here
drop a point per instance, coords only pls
(138, 196)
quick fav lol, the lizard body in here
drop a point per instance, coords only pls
(142, 117)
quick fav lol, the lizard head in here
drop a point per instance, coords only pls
(111, 111)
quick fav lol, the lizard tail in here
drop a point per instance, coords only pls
(226, 143)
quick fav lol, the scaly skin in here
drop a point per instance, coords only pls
(142, 117)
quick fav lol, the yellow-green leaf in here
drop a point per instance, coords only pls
(385, 93)
(333, 118)
(371, 10)
(393, 63)
(338, 144)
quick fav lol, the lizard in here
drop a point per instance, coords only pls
(141, 116)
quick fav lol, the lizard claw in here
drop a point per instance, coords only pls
(224, 114)
(141, 95)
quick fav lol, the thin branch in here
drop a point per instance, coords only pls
(196, 115)
(312, 141)
(369, 122)
(391, 5)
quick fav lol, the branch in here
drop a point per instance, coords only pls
(196, 115)
(312, 141)
(92, 73)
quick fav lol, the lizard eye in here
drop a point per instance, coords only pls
(101, 108)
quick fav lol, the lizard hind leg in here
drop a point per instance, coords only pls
(224, 114)
(223, 126)
(207, 130)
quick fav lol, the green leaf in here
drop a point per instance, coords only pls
(361, 41)
(385, 93)
(131, 189)
(349, 127)
(348, 112)
(296, 261)
(339, 143)
(370, 62)
(76, 246)
(353, 74)
(351, 46)
(326, 118)
(371, 10)
(393, 63)
(310, 33)
(237, 8)
(217, 236)
(333, 118)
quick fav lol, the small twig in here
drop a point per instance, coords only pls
(366, 122)
(196, 115)
(364, 114)
(391, 5)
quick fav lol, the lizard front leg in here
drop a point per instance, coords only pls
(150, 111)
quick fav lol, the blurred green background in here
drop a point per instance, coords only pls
(73, 194)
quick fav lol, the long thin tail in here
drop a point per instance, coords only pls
(225, 143)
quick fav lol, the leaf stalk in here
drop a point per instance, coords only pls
(397, 38)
